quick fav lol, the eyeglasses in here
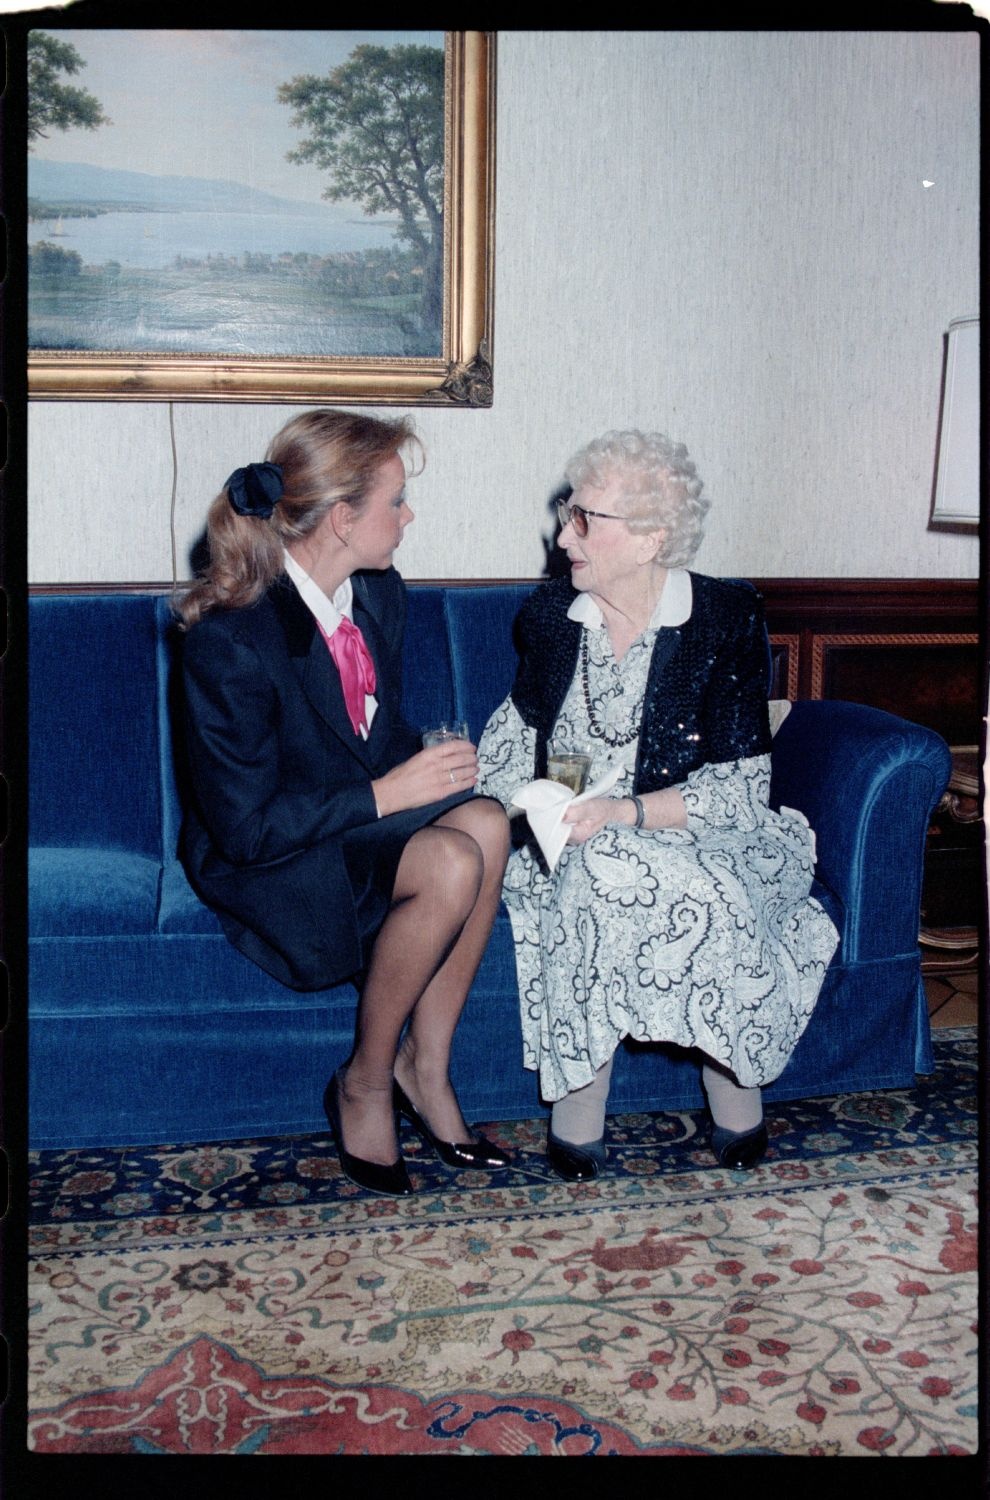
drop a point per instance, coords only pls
(577, 516)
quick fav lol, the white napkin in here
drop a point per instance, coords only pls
(544, 802)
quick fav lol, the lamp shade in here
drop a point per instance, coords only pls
(956, 499)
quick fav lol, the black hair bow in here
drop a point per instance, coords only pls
(255, 490)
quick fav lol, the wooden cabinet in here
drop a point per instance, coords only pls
(951, 898)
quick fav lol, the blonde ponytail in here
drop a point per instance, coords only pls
(325, 458)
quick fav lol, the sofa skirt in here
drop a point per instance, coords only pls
(174, 1039)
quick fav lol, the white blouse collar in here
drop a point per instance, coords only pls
(673, 606)
(328, 612)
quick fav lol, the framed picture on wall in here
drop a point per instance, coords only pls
(261, 215)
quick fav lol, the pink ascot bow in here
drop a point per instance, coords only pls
(357, 670)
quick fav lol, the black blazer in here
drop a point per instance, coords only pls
(706, 692)
(278, 774)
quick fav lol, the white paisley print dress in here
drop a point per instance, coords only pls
(705, 937)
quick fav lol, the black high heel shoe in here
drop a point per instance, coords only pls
(372, 1175)
(575, 1163)
(479, 1153)
(739, 1150)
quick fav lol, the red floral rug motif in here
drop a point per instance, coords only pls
(205, 1400)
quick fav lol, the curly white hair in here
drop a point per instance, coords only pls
(658, 482)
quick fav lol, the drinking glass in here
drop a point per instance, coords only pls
(570, 768)
(454, 729)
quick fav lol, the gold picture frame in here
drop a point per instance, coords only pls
(460, 376)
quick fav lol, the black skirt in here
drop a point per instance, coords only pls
(372, 852)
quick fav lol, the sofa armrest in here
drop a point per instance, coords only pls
(868, 782)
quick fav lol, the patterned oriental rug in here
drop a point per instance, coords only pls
(246, 1298)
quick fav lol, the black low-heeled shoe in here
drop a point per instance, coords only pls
(373, 1175)
(575, 1163)
(479, 1153)
(740, 1150)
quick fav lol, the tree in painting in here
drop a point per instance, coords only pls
(376, 124)
(52, 104)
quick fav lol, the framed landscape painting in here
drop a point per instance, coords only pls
(261, 215)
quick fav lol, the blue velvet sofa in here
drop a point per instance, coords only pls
(145, 1025)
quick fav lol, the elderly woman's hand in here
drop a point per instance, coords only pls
(588, 818)
(663, 809)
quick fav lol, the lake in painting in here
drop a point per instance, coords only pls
(290, 283)
(156, 240)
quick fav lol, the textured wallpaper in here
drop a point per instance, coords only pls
(724, 236)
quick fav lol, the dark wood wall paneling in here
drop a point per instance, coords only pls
(912, 647)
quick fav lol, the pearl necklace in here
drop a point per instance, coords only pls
(615, 741)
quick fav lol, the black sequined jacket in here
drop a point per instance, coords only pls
(706, 692)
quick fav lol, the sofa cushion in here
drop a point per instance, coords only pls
(93, 724)
(179, 908)
(427, 686)
(171, 727)
(480, 626)
(91, 892)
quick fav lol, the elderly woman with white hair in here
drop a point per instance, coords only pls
(679, 910)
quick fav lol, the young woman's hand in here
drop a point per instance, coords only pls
(428, 776)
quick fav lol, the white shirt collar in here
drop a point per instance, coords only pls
(673, 607)
(328, 612)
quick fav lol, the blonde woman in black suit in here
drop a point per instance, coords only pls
(329, 843)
